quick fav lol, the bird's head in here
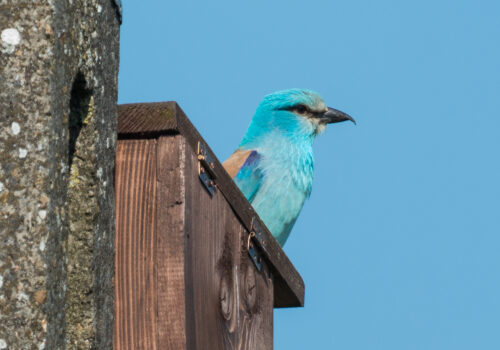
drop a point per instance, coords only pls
(296, 113)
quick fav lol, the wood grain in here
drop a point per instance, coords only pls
(183, 276)
(135, 187)
(147, 118)
(170, 243)
(227, 312)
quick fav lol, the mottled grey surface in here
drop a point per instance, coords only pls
(56, 173)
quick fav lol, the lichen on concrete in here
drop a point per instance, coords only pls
(56, 268)
(82, 214)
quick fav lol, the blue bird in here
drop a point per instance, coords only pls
(273, 165)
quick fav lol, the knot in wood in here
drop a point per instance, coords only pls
(226, 298)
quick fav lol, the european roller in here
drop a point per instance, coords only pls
(273, 165)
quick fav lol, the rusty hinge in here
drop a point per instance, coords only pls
(206, 168)
(256, 235)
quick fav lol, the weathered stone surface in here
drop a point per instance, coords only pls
(58, 89)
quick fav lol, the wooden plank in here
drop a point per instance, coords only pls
(164, 118)
(147, 118)
(231, 301)
(135, 285)
(184, 279)
(204, 236)
(171, 243)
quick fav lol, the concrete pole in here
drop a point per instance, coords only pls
(58, 92)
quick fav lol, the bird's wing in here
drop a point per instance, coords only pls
(234, 163)
(243, 167)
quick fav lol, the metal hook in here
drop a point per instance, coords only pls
(250, 235)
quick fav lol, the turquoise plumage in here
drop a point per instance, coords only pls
(273, 165)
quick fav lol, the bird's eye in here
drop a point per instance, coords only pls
(301, 109)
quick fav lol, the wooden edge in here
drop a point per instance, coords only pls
(163, 118)
(147, 119)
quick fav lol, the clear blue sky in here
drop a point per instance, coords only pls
(399, 244)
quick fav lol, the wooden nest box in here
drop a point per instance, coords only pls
(195, 266)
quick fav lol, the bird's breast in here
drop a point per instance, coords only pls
(292, 166)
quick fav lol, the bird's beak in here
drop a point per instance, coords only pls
(333, 115)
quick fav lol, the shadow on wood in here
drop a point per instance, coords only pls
(184, 277)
